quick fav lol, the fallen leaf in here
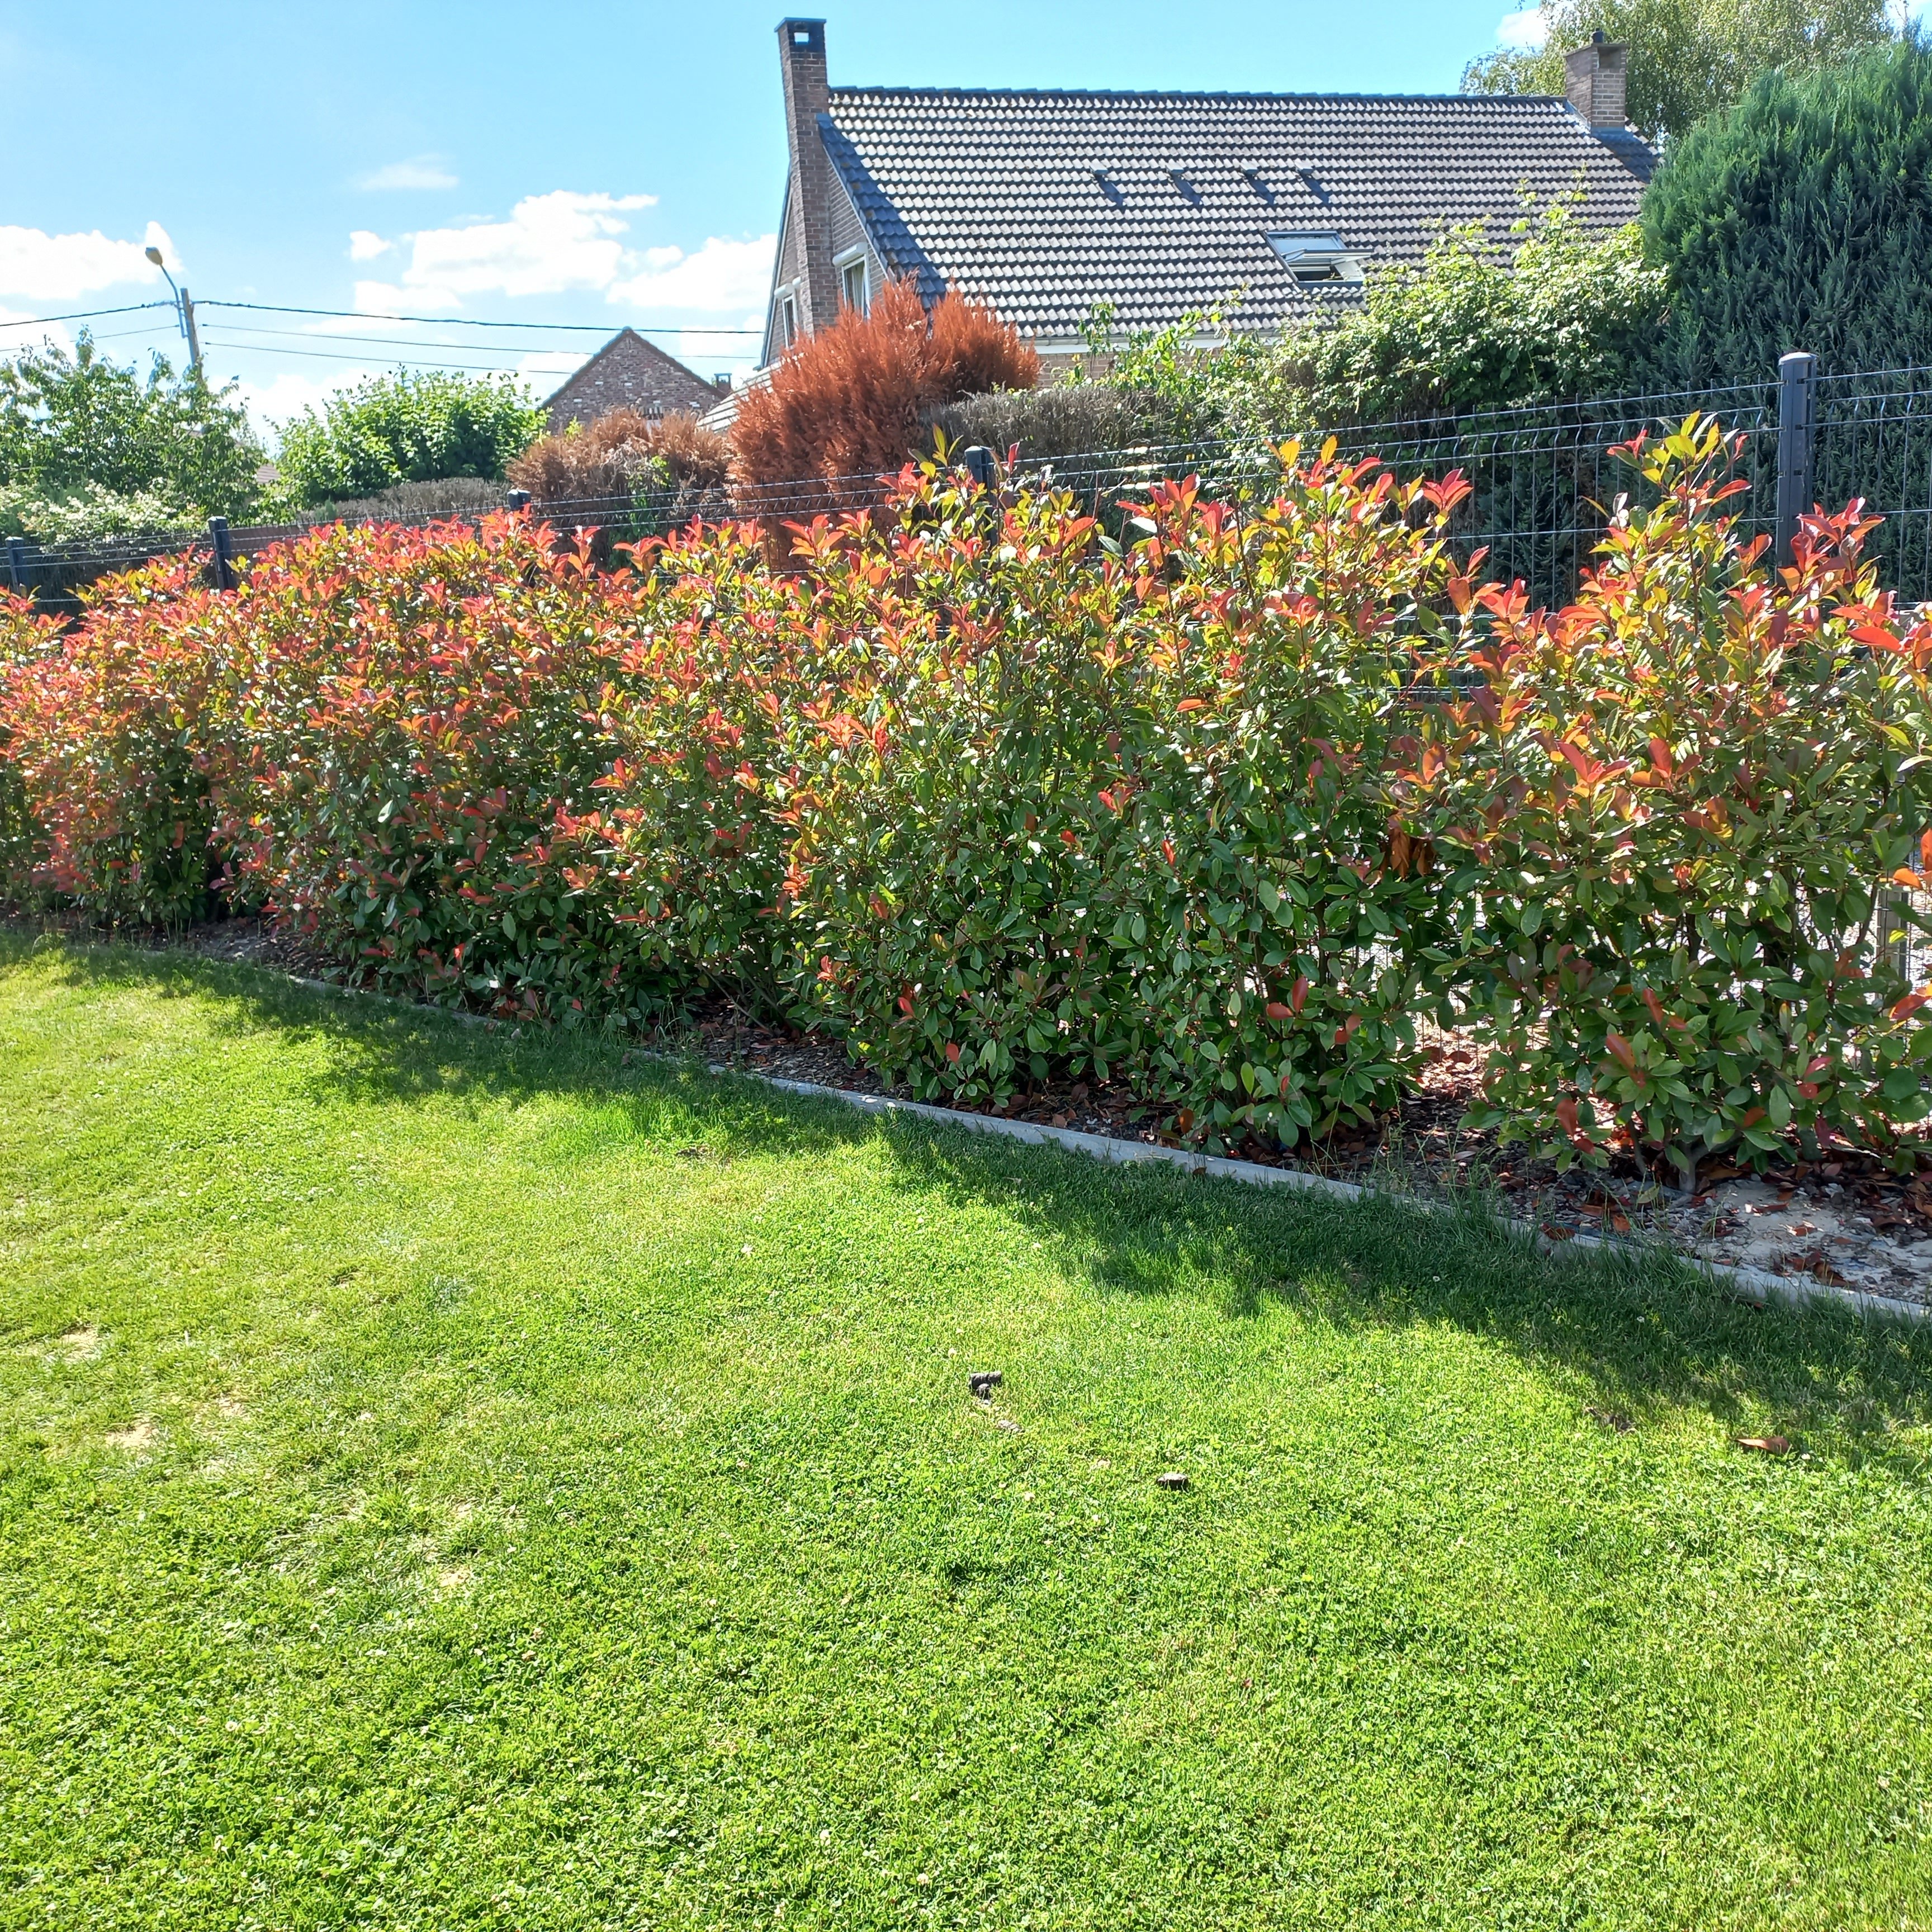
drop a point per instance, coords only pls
(1765, 1445)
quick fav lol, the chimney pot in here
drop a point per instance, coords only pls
(1594, 78)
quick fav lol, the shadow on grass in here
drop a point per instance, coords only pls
(1640, 1337)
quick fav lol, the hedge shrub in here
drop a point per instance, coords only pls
(1800, 218)
(1215, 812)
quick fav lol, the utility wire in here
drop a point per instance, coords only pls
(406, 341)
(472, 322)
(343, 355)
(82, 314)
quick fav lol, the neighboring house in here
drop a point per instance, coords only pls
(1048, 204)
(629, 373)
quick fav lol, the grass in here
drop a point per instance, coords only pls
(454, 1481)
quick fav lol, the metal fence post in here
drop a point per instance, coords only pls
(16, 565)
(224, 570)
(1797, 427)
(518, 499)
(979, 463)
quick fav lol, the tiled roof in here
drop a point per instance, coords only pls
(998, 192)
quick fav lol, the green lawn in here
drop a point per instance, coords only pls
(455, 1482)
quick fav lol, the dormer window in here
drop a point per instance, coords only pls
(1315, 255)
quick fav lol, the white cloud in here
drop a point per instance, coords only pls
(544, 369)
(272, 404)
(14, 339)
(1526, 29)
(711, 353)
(365, 246)
(63, 268)
(723, 274)
(424, 171)
(551, 243)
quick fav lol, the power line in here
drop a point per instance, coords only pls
(392, 341)
(82, 315)
(399, 362)
(471, 322)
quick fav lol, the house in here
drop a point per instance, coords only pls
(629, 373)
(1050, 204)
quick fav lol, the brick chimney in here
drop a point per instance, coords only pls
(1593, 77)
(802, 61)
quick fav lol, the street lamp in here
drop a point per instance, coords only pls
(185, 310)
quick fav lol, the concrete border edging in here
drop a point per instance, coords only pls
(1747, 1284)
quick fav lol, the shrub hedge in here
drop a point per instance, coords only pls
(1218, 811)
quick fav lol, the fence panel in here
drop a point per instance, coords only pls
(1544, 481)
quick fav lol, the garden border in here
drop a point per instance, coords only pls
(1752, 1284)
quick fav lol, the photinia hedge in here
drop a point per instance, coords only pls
(1219, 810)
(1686, 814)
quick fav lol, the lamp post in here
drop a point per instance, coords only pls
(185, 308)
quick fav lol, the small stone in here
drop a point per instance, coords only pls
(1173, 1480)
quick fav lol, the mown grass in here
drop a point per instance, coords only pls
(456, 1481)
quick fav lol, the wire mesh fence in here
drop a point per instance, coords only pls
(1544, 480)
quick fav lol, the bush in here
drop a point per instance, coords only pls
(80, 429)
(92, 514)
(849, 401)
(624, 454)
(998, 799)
(414, 426)
(109, 736)
(1801, 219)
(1062, 419)
(1681, 807)
(1558, 315)
(1122, 816)
(25, 636)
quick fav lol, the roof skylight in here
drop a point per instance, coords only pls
(1315, 255)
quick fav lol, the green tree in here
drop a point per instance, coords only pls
(414, 426)
(76, 428)
(1688, 56)
(1802, 218)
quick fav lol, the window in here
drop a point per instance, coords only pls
(787, 320)
(1315, 255)
(852, 285)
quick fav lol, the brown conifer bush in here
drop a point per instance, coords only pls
(620, 454)
(849, 401)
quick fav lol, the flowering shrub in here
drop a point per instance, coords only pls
(422, 714)
(998, 799)
(1688, 809)
(24, 636)
(1078, 809)
(106, 736)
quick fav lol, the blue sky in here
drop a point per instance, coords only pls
(549, 162)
